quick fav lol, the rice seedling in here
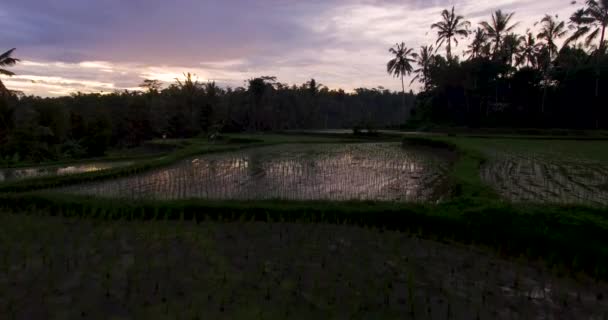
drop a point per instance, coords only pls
(373, 171)
(553, 172)
(541, 179)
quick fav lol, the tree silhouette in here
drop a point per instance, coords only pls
(449, 29)
(187, 94)
(6, 60)
(257, 89)
(498, 27)
(591, 22)
(551, 31)
(212, 92)
(151, 86)
(401, 64)
(313, 87)
(424, 60)
(528, 51)
(511, 44)
(479, 46)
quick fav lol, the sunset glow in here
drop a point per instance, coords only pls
(70, 46)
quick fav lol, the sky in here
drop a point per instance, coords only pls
(102, 46)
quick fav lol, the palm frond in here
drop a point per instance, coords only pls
(7, 62)
(6, 72)
(488, 27)
(417, 77)
(513, 26)
(7, 54)
(592, 36)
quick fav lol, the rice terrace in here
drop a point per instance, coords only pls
(263, 256)
(130, 189)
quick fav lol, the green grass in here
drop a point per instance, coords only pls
(526, 133)
(77, 256)
(548, 231)
(589, 149)
(573, 237)
(113, 155)
(568, 236)
(465, 179)
(68, 268)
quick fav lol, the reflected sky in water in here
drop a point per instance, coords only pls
(35, 172)
(378, 171)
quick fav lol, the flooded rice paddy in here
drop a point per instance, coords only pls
(13, 174)
(371, 171)
(537, 178)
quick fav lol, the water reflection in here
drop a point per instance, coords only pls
(297, 172)
(25, 173)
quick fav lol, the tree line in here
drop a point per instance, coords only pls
(86, 125)
(554, 75)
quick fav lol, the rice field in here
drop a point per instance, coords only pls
(58, 268)
(367, 171)
(550, 174)
(52, 267)
(15, 174)
(528, 178)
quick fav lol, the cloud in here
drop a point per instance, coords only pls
(89, 46)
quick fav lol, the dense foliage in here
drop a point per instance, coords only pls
(504, 80)
(85, 125)
(512, 80)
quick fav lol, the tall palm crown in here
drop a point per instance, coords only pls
(424, 60)
(401, 64)
(591, 22)
(498, 27)
(511, 45)
(6, 60)
(551, 31)
(449, 29)
(529, 51)
(479, 44)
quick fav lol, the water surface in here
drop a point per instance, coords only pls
(13, 174)
(373, 171)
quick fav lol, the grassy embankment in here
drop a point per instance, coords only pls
(568, 238)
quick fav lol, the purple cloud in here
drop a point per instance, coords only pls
(342, 43)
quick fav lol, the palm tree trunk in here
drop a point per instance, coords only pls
(466, 99)
(403, 96)
(602, 39)
(601, 51)
(597, 75)
(3, 90)
(449, 50)
(542, 106)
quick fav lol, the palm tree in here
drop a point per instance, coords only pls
(424, 60)
(528, 51)
(551, 31)
(578, 23)
(591, 21)
(499, 26)
(401, 64)
(511, 45)
(479, 44)
(450, 29)
(6, 61)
